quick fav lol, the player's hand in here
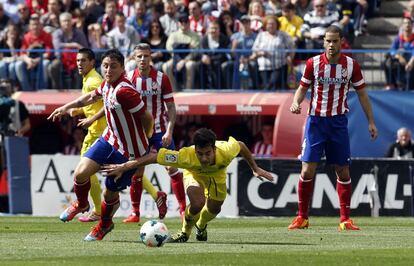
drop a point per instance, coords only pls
(166, 140)
(85, 123)
(57, 114)
(115, 170)
(260, 173)
(373, 131)
(295, 108)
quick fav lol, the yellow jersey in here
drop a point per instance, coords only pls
(291, 27)
(90, 82)
(186, 158)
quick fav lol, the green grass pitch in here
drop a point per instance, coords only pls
(26, 240)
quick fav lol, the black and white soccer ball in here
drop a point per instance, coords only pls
(154, 233)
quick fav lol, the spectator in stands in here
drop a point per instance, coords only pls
(107, 20)
(11, 8)
(12, 41)
(31, 71)
(239, 8)
(169, 20)
(409, 12)
(71, 5)
(50, 20)
(140, 21)
(263, 147)
(157, 40)
(123, 37)
(290, 22)
(4, 19)
(23, 17)
(79, 20)
(359, 10)
(302, 7)
(187, 139)
(75, 145)
(257, 15)
(211, 62)
(93, 11)
(316, 22)
(244, 62)
(273, 65)
(403, 148)
(228, 25)
(273, 7)
(198, 21)
(97, 38)
(126, 7)
(67, 39)
(399, 63)
(184, 38)
(37, 6)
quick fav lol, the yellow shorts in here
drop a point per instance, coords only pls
(212, 190)
(88, 141)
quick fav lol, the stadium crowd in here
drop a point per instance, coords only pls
(39, 38)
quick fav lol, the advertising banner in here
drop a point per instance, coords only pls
(52, 188)
(384, 184)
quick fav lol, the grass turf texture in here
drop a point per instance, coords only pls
(244, 241)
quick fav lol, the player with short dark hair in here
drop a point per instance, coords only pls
(125, 137)
(205, 165)
(329, 75)
(157, 94)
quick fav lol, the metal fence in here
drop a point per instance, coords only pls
(206, 69)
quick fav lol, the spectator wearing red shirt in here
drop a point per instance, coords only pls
(30, 70)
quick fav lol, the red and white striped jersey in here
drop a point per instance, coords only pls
(262, 149)
(156, 90)
(330, 84)
(200, 25)
(123, 108)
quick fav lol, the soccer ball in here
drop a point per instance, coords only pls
(153, 233)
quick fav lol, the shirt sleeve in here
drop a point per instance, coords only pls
(167, 93)
(98, 90)
(231, 148)
(307, 77)
(357, 79)
(178, 159)
(130, 100)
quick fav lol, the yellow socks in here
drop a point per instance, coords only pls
(205, 217)
(189, 221)
(149, 187)
(96, 193)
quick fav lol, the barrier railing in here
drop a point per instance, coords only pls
(206, 69)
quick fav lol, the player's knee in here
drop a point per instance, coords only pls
(214, 209)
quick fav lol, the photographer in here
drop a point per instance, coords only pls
(14, 121)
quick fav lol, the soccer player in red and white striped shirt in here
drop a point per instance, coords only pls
(329, 76)
(124, 138)
(156, 91)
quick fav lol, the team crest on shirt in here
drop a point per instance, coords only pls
(171, 158)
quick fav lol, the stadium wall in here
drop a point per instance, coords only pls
(389, 181)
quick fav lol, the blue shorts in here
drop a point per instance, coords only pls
(155, 142)
(104, 153)
(329, 135)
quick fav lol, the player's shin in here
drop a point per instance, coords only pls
(344, 190)
(205, 217)
(96, 192)
(81, 191)
(108, 210)
(136, 192)
(305, 191)
(149, 187)
(189, 221)
(178, 188)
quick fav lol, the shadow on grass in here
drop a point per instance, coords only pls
(225, 243)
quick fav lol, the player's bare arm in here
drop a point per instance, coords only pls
(257, 171)
(117, 170)
(83, 100)
(298, 99)
(87, 122)
(172, 114)
(148, 123)
(366, 106)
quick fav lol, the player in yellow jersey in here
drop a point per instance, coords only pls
(205, 165)
(94, 121)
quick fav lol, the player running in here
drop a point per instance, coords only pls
(205, 165)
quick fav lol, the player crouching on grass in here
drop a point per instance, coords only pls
(205, 167)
